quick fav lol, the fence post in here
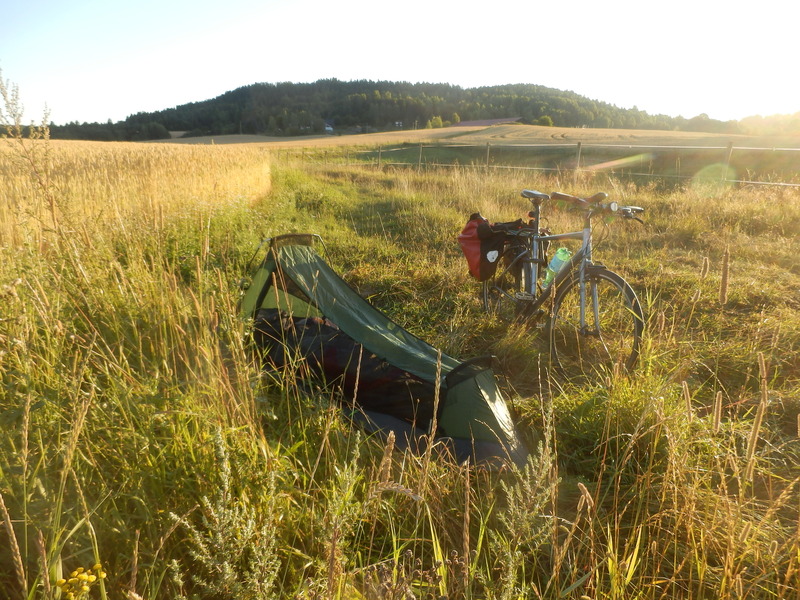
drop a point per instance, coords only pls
(488, 148)
(577, 161)
(380, 152)
(419, 160)
(727, 161)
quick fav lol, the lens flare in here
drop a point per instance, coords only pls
(713, 177)
(619, 163)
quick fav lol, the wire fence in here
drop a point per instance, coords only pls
(726, 164)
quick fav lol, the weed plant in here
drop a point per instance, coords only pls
(142, 435)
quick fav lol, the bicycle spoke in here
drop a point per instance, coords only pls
(610, 334)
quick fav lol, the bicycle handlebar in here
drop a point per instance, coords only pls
(595, 203)
(584, 202)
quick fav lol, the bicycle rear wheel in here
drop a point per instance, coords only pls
(503, 294)
(612, 334)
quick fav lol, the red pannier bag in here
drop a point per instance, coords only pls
(482, 246)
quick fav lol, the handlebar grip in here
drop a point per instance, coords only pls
(580, 202)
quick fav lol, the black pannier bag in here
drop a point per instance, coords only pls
(482, 244)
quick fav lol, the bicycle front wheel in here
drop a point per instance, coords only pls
(607, 336)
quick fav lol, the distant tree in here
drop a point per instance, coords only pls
(455, 119)
(436, 122)
(151, 131)
(545, 121)
(703, 122)
(603, 122)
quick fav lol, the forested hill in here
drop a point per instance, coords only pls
(298, 108)
(357, 106)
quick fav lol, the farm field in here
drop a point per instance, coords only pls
(143, 437)
(666, 157)
(504, 134)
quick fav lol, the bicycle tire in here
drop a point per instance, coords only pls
(500, 294)
(613, 343)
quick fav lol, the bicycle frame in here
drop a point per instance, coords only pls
(532, 297)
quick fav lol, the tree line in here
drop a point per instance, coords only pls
(330, 105)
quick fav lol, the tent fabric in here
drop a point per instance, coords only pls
(472, 412)
(408, 437)
(354, 315)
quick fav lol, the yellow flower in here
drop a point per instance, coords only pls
(61, 582)
(97, 567)
(92, 578)
(84, 588)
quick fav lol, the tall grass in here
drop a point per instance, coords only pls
(142, 435)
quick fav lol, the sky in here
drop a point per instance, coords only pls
(100, 60)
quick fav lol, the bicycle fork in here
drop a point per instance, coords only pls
(584, 328)
(585, 282)
(589, 288)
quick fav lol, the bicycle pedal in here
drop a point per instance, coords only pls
(524, 296)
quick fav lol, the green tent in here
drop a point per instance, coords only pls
(473, 417)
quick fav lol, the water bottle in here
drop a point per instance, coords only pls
(560, 258)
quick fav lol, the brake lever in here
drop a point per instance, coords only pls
(629, 212)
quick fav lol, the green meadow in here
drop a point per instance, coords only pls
(145, 455)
